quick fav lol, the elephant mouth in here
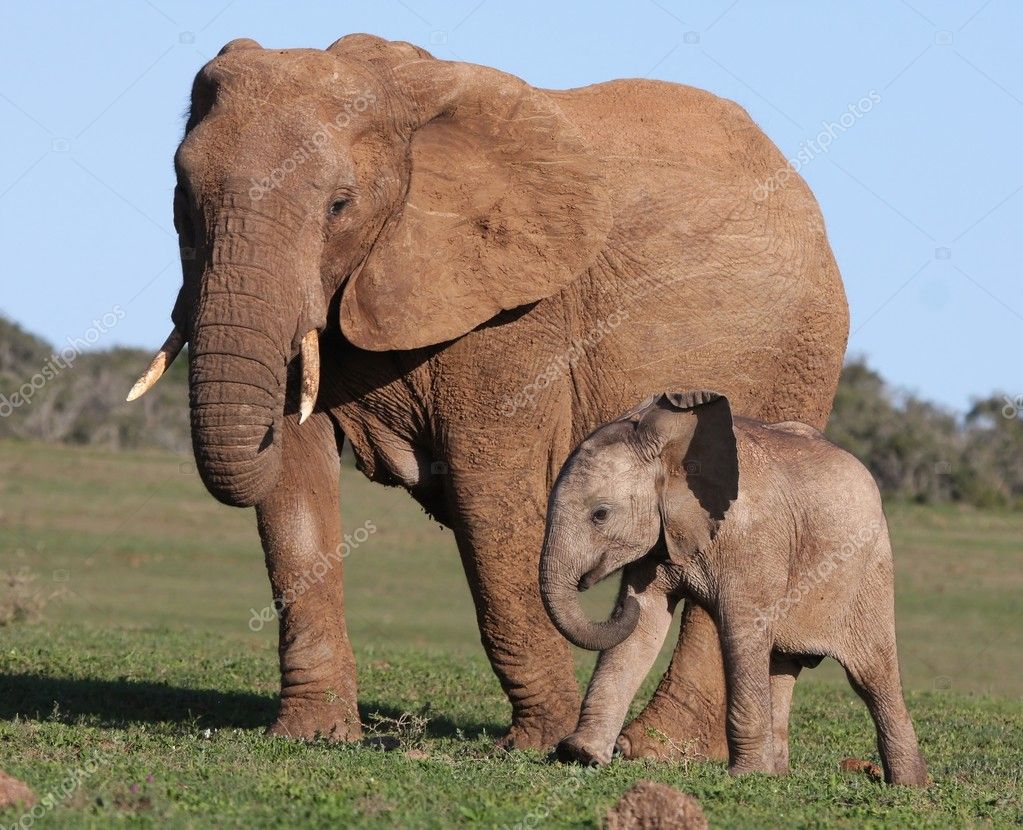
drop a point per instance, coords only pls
(598, 574)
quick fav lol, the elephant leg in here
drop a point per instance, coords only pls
(686, 715)
(746, 651)
(783, 681)
(499, 529)
(300, 526)
(616, 679)
(874, 674)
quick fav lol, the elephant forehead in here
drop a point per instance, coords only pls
(605, 467)
(259, 115)
(287, 76)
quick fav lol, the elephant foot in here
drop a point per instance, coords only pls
(307, 720)
(578, 749)
(908, 772)
(542, 726)
(541, 737)
(753, 756)
(541, 731)
(673, 734)
(749, 767)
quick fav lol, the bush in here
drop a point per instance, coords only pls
(916, 450)
(919, 451)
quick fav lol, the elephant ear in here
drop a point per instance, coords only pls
(635, 415)
(504, 207)
(694, 436)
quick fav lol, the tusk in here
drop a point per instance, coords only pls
(164, 358)
(310, 374)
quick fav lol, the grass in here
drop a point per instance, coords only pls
(134, 664)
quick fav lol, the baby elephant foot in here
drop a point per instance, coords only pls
(578, 749)
(908, 772)
(748, 769)
(307, 720)
(744, 766)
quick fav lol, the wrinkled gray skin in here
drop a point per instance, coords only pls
(776, 532)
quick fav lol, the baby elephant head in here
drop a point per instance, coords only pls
(666, 470)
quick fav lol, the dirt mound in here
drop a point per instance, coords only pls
(652, 806)
(866, 767)
(13, 791)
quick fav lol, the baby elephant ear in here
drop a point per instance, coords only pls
(694, 436)
(694, 398)
(639, 410)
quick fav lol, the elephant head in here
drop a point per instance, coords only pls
(367, 186)
(665, 471)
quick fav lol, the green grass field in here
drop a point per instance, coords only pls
(132, 688)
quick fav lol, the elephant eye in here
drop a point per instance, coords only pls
(337, 206)
(600, 515)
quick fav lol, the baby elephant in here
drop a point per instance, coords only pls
(778, 533)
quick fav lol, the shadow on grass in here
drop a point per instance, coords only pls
(121, 702)
(118, 703)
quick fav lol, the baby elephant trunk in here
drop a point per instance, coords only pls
(559, 587)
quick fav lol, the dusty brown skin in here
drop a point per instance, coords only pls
(648, 805)
(450, 232)
(777, 532)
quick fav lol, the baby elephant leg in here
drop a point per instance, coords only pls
(784, 672)
(874, 674)
(617, 678)
(746, 651)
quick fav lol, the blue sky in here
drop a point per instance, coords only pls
(923, 194)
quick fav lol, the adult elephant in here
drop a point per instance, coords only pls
(464, 275)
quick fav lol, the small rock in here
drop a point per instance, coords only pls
(652, 806)
(13, 791)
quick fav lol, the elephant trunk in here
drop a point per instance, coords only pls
(242, 339)
(559, 587)
(236, 399)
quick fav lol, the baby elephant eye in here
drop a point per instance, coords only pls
(337, 206)
(600, 515)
